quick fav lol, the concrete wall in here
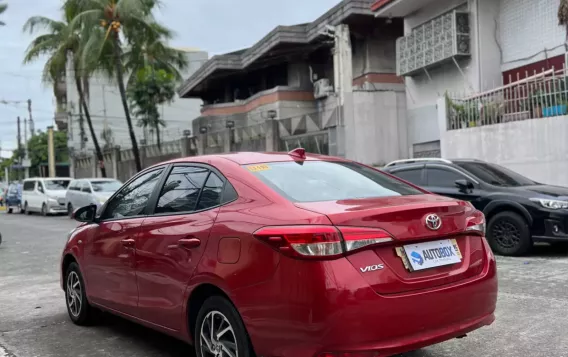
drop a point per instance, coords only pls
(536, 148)
(528, 28)
(375, 127)
(104, 101)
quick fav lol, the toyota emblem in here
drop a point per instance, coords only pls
(433, 222)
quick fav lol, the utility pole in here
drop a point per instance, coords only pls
(26, 162)
(50, 152)
(19, 141)
(32, 126)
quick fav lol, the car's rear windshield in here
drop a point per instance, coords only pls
(316, 181)
(105, 186)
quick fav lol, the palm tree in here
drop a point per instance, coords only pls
(59, 44)
(3, 8)
(116, 23)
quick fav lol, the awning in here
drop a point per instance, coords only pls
(398, 8)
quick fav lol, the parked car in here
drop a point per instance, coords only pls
(519, 210)
(84, 192)
(284, 255)
(14, 198)
(3, 193)
(45, 195)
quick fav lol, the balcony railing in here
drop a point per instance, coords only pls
(541, 95)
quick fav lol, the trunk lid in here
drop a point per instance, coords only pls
(404, 218)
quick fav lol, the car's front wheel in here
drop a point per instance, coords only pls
(27, 209)
(508, 234)
(80, 312)
(220, 331)
(44, 210)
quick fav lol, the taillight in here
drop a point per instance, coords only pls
(476, 223)
(320, 241)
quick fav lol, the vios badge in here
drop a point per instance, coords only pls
(369, 268)
(417, 258)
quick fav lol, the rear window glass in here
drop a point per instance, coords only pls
(316, 181)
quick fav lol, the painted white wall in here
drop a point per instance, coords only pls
(104, 101)
(536, 148)
(528, 28)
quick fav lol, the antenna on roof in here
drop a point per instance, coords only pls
(299, 153)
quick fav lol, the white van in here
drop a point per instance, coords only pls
(45, 195)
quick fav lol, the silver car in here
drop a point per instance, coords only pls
(84, 192)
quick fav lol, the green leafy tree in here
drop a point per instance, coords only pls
(150, 89)
(38, 152)
(3, 8)
(60, 43)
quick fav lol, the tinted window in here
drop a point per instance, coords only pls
(29, 185)
(495, 174)
(414, 175)
(106, 186)
(72, 186)
(133, 198)
(211, 195)
(181, 190)
(56, 184)
(442, 177)
(85, 187)
(314, 181)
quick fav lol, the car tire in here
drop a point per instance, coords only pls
(21, 210)
(70, 210)
(44, 210)
(80, 311)
(10, 210)
(223, 314)
(508, 234)
(27, 209)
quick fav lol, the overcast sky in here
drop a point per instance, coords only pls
(216, 26)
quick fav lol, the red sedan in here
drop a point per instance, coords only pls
(282, 255)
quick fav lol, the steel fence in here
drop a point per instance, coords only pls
(540, 95)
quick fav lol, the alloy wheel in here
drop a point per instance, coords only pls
(506, 234)
(74, 294)
(218, 338)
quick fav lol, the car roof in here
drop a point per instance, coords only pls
(248, 158)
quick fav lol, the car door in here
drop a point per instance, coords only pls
(111, 250)
(86, 192)
(39, 196)
(442, 180)
(173, 240)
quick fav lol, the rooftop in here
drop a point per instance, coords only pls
(278, 44)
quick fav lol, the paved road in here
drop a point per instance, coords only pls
(532, 315)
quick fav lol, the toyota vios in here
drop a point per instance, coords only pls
(282, 255)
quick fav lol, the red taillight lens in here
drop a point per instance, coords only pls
(320, 241)
(476, 223)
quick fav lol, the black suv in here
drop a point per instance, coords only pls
(519, 211)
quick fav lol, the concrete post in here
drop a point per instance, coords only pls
(115, 159)
(94, 165)
(227, 140)
(50, 151)
(271, 135)
(72, 165)
(201, 143)
(343, 72)
(442, 124)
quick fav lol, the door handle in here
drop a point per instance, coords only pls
(189, 243)
(128, 243)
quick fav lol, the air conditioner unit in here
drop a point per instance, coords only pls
(441, 39)
(322, 88)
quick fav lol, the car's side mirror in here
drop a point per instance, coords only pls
(464, 185)
(85, 214)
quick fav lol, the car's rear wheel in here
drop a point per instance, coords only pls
(80, 312)
(10, 210)
(70, 210)
(508, 234)
(220, 331)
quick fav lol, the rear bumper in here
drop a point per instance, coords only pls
(310, 308)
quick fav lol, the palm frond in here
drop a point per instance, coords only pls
(35, 23)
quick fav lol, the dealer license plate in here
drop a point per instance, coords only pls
(434, 254)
